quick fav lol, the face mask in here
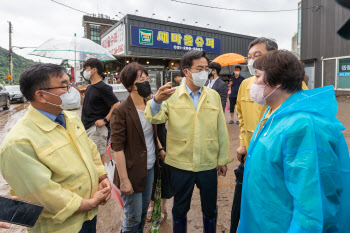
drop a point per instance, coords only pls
(87, 74)
(250, 67)
(210, 75)
(144, 89)
(70, 99)
(237, 73)
(257, 93)
(199, 78)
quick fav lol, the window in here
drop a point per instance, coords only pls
(85, 31)
(95, 33)
(328, 72)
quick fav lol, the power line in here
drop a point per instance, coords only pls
(233, 9)
(70, 7)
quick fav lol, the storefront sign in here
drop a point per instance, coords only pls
(343, 79)
(344, 74)
(154, 38)
(114, 41)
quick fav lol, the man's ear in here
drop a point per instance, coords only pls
(39, 96)
(94, 71)
(185, 71)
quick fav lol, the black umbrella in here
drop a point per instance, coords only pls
(236, 205)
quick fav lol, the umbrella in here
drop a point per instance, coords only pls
(228, 59)
(236, 205)
(73, 49)
(110, 168)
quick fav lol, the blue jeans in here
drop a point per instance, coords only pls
(136, 205)
(89, 226)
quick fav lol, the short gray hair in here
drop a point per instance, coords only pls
(270, 43)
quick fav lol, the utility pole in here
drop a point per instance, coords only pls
(10, 52)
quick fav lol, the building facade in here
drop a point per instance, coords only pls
(159, 45)
(96, 25)
(325, 54)
(296, 39)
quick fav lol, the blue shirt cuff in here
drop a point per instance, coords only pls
(155, 107)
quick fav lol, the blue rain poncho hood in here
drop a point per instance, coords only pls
(297, 172)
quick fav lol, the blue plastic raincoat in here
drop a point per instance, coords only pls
(297, 172)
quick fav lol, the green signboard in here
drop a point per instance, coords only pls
(343, 78)
(146, 37)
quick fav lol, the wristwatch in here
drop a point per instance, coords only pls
(105, 120)
(102, 178)
(160, 149)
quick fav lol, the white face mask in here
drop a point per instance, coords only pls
(70, 99)
(237, 72)
(199, 78)
(256, 92)
(250, 66)
(87, 74)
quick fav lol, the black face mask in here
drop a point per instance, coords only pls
(144, 89)
(210, 75)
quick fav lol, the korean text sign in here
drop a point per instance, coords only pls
(114, 42)
(155, 38)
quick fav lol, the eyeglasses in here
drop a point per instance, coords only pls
(254, 57)
(49, 88)
(201, 69)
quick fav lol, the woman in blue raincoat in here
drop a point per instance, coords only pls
(297, 172)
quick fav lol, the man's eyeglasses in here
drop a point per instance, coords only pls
(201, 69)
(254, 57)
(67, 87)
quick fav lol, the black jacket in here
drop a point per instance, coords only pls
(221, 87)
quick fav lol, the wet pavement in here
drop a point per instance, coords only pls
(110, 216)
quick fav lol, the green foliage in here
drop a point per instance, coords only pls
(19, 64)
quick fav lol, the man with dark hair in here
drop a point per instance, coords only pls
(197, 139)
(48, 159)
(235, 82)
(215, 82)
(98, 105)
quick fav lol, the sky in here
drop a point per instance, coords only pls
(36, 21)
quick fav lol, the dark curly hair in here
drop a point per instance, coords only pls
(95, 63)
(281, 67)
(129, 74)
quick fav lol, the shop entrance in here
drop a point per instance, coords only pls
(310, 71)
(155, 74)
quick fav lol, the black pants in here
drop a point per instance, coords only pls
(183, 182)
(89, 226)
(236, 204)
(233, 101)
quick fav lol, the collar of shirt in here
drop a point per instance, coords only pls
(211, 83)
(190, 92)
(50, 116)
(194, 97)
